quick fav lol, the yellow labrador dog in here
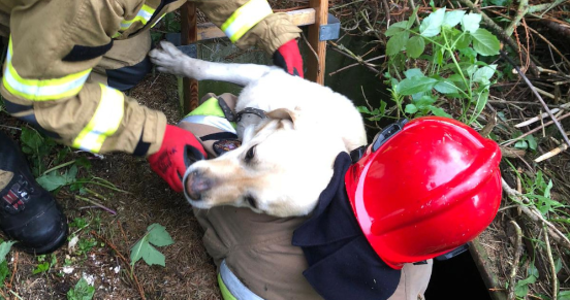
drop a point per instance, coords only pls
(286, 159)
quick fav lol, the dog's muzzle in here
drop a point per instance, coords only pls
(195, 184)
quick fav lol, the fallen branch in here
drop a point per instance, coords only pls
(534, 130)
(533, 213)
(542, 116)
(518, 252)
(521, 12)
(533, 89)
(552, 153)
(552, 265)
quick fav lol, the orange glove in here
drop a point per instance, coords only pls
(289, 58)
(179, 150)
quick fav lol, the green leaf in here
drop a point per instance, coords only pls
(463, 42)
(416, 85)
(482, 99)
(453, 18)
(158, 236)
(5, 248)
(411, 109)
(415, 72)
(424, 101)
(470, 22)
(397, 43)
(431, 25)
(363, 110)
(484, 74)
(43, 267)
(532, 144)
(4, 272)
(485, 43)
(396, 28)
(415, 46)
(446, 86)
(81, 291)
(565, 295)
(52, 181)
(521, 289)
(438, 111)
(521, 145)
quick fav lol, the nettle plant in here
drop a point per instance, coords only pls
(446, 44)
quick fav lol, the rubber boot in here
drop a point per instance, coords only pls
(28, 213)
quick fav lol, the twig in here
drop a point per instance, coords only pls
(552, 153)
(16, 295)
(312, 50)
(14, 270)
(535, 215)
(499, 31)
(564, 136)
(10, 127)
(535, 130)
(518, 252)
(96, 204)
(552, 266)
(540, 117)
(521, 12)
(133, 275)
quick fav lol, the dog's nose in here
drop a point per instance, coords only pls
(196, 184)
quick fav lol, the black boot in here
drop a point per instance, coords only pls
(28, 213)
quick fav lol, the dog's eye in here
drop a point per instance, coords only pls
(250, 154)
(251, 201)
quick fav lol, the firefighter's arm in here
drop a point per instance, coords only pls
(252, 22)
(53, 47)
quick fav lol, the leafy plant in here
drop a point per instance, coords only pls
(450, 54)
(45, 265)
(156, 235)
(4, 270)
(81, 291)
(36, 147)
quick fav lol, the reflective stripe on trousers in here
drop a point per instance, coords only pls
(231, 287)
(105, 121)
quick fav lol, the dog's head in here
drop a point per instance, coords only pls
(281, 168)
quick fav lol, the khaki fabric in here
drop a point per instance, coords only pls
(44, 32)
(257, 249)
(5, 177)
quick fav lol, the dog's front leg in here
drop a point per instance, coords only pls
(171, 60)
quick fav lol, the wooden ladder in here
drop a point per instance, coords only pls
(314, 17)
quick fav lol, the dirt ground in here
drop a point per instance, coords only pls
(189, 272)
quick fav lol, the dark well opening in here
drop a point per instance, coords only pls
(457, 278)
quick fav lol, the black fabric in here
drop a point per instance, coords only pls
(14, 108)
(279, 61)
(342, 265)
(82, 53)
(126, 78)
(142, 148)
(219, 136)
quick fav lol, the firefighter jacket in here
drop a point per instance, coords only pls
(55, 46)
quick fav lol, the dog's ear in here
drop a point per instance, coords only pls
(282, 114)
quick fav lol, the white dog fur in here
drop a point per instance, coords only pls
(285, 161)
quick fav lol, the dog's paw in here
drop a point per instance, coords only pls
(169, 59)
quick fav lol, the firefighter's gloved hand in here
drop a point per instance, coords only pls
(289, 58)
(179, 149)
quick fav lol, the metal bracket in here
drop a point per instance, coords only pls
(331, 30)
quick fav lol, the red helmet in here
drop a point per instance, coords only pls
(433, 186)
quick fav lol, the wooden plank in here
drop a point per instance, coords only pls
(316, 64)
(299, 17)
(189, 34)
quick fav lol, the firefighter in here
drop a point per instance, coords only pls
(67, 65)
(421, 190)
